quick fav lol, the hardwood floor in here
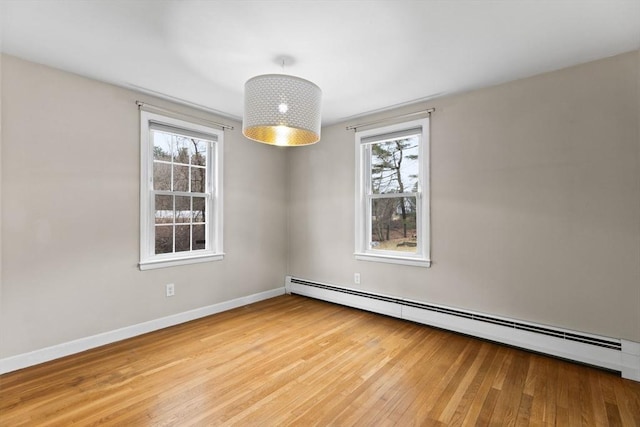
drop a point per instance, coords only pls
(297, 361)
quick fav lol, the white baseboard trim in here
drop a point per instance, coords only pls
(610, 353)
(20, 361)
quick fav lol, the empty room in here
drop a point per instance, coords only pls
(320, 213)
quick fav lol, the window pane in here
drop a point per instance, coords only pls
(198, 177)
(198, 237)
(180, 178)
(164, 239)
(198, 150)
(198, 212)
(161, 145)
(161, 176)
(182, 152)
(394, 166)
(393, 224)
(183, 209)
(164, 209)
(183, 238)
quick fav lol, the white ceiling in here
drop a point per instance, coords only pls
(365, 55)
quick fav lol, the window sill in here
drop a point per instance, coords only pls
(393, 259)
(172, 262)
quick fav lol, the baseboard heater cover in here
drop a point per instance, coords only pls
(610, 353)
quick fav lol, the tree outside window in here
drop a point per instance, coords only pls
(394, 171)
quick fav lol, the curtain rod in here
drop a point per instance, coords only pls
(355, 127)
(142, 105)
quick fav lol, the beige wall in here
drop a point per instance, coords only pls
(535, 208)
(70, 207)
(2, 330)
(535, 203)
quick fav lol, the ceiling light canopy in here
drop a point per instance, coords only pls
(281, 110)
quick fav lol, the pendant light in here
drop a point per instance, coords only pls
(283, 110)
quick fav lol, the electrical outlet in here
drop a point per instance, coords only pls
(171, 290)
(356, 278)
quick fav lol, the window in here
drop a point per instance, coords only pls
(180, 192)
(392, 194)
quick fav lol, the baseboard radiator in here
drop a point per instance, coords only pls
(609, 353)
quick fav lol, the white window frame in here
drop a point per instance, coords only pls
(213, 230)
(364, 250)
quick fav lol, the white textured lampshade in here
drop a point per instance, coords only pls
(281, 110)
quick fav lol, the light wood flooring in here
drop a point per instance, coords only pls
(292, 360)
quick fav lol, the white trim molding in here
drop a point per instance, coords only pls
(609, 353)
(210, 194)
(20, 361)
(366, 195)
(393, 259)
